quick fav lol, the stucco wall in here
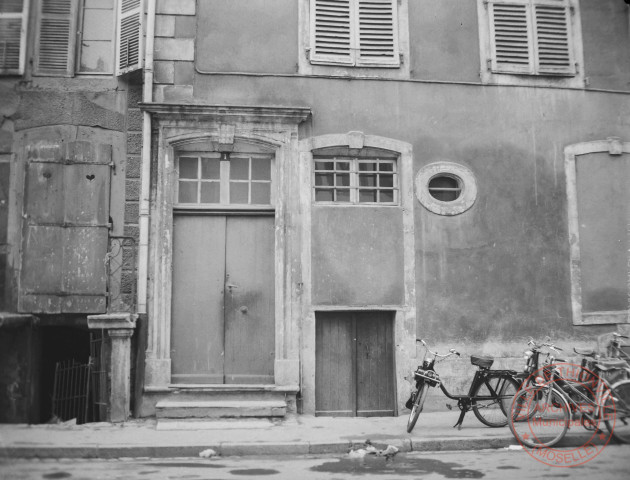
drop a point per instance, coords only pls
(357, 256)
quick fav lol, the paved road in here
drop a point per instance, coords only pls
(612, 463)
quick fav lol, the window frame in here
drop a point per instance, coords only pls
(224, 182)
(23, 36)
(113, 48)
(73, 46)
(491, 73)
(465, 179)
(354, 186)
(401, 70)
(354, 58)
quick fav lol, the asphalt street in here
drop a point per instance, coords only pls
(612, 463)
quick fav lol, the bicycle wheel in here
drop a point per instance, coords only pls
(496, 398)
(548, 423)
(418, 403)
(617, 416)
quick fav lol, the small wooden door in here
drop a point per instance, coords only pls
(223, 327)
(354, 364)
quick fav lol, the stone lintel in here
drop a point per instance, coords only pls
(113, 321)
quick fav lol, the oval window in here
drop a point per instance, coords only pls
(446, 188)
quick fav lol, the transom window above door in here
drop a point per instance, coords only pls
(363, 178)
(219, 179)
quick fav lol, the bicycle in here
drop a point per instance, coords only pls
(489, 395)
(541, 412)
(532, 355)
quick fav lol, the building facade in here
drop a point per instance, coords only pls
(299, 189)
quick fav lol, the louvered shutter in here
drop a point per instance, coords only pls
(332, 32)
(553, 38)
(377, 32)
(56, 37)
(13, 15)
(511, 36)
(531, 37)
(129, 36)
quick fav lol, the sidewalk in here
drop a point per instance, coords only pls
(294, 436)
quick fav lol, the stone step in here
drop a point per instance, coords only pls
(230, 393)
(220, 409)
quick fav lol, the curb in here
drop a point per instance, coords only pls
(244, 449)
(228, 449)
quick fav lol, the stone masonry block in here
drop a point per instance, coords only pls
(175, 49)
(132, 231)
(176, 7)
(134, 96)
(164, 26)
(178, 94)
(127, 281)
(134, 143)
(134, 119)
(134, 166)
(132, 210)
(164, 72)
(132, 189)
(185, 27)
(184, 73)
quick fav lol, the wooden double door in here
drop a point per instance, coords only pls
(354, 364)
(223, 316)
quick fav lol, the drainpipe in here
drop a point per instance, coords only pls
(145, 185)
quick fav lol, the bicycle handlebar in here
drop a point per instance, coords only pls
(547, 344)
(452, 351)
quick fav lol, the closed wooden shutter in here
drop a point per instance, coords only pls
(553, 39)
(332, 32)
(377, 32)
(129, 37)
(13, 21)
(354, 32)
(56, 37)
(531, 37)
(65, 231)
(512, 50)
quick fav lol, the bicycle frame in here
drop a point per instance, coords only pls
(590, 408)
(464, 402)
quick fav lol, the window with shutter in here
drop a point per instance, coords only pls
(56, 37)
(13, 21)
(87, 37)
(129, 37)
(531, 37)
(354, 32)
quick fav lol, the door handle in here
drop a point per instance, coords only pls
(231, 286)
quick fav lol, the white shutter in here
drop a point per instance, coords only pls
(553, 39)
(377, 32)
(511, 38)
(531, 37)
(56, 37)
(13, 21)
(332, 32)
(129, 37)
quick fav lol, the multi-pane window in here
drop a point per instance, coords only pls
(87, 36)
(96, 52)
(355, 180)
(13, 20)
(216, 179)
(355, 32)
(531, 37)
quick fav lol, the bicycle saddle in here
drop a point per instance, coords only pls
(587, 352)
(481, 361)
(611, 364)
